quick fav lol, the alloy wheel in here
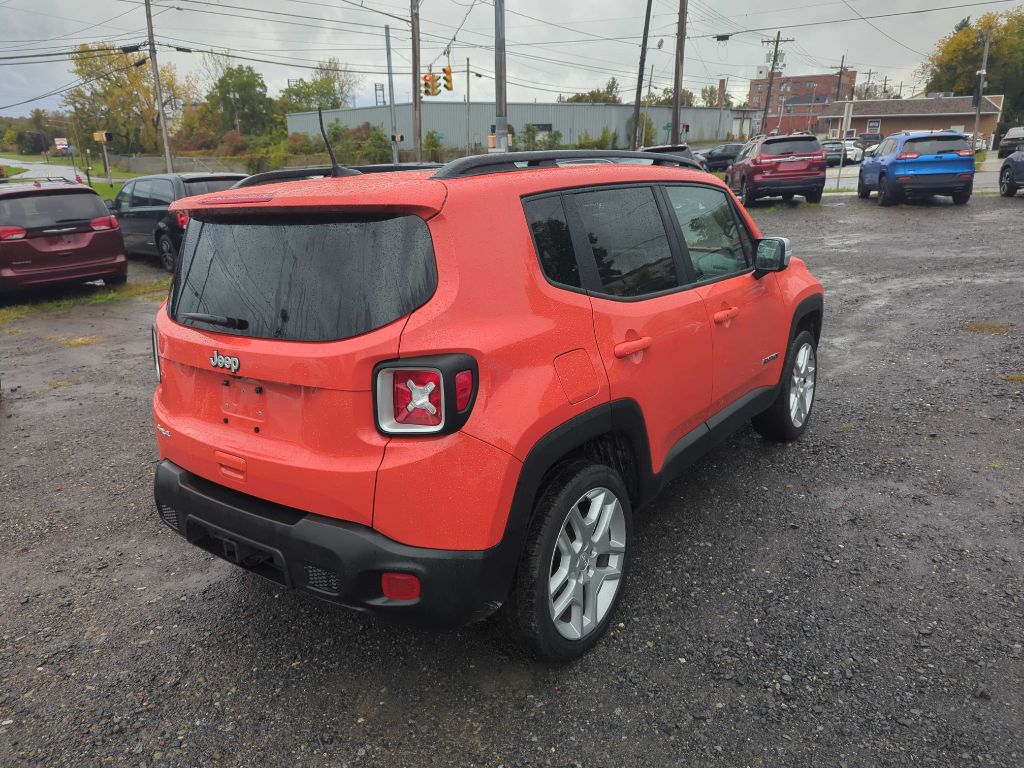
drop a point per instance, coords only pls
(586, 566)
(801, 390)
(166, 249)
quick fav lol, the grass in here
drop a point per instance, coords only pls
(979, 158)
(1016, 378)
(155, 289)
(96, 163)
(52, 384)
(10, 170)
(985, 327)
(74, 341)
(107, 191)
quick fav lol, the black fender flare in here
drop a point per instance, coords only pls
(815, 303)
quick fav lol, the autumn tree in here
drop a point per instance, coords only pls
(957, 58)
(607, 95)
(664, 99)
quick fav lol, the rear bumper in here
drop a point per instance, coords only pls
(12, 279)
(934, 183)
(333, 560)
(769, 186)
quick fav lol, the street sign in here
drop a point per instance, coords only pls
(60, 143)
(667, 127)
(102, 137)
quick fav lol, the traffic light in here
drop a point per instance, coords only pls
(447, 77)
(430, 86)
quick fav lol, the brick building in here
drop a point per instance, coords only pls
(888, 116)
(799, 99)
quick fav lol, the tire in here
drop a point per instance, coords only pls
(863, 191)
(570, 504)
(116, 279)
(166, 252)
(886, 196)
(787, 197)
(788, 415)
(1006, 186)
(814, 197)
(746, 194)
(961, 197)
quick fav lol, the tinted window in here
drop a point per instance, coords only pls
(679, 151)
(205, 186)
(709, 227)
(30, 211)
(161, 192)
(308, 279)
(140, 193)
(628, 241)
(933, 145)
(552, 240)
(121, 201)
(791, 146)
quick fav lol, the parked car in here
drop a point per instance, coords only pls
(779, 166)
(339, 409)
(870, 150)
(1012, 141)
(854, 151)
(720, 157)
(919, 163)
(679, 150)
(1011, 174)
(868, 139)
(55, 231)
(142, 209)
(834, 151)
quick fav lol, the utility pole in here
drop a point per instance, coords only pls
(839, 79)
(723, 86)
(900, 91)
(469, 145)
(156, 85)
(501, 107)
(637, 139)
(885, 86)
(771, 74)
(417, 98)
(981, 92)
(677, 80)
(391, 96)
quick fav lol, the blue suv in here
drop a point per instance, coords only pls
(919, 163)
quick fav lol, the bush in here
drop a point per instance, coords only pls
(233, 143)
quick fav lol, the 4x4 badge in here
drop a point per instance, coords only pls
(218, 360)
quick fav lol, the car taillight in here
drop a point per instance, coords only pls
(183, 220)
(463, 389)
(424, 396)
(104, 222)
(907, 156)
(12, 233)
(965, 152)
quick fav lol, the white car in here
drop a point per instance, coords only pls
(854, 154)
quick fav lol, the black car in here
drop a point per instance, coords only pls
(1012, 141)
(1011, 174)
(720, 157)
(678, 150)
(835, 152)
(141, 210)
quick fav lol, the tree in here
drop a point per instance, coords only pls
(529, 137)
(709, 96)
(957, 58)
(664, 99)
(607, 95)
(647, 126)
(332, 86)
(343, 83)
(607, 140)
(239, 100)
(432, 146)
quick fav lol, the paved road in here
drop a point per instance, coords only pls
(51, 170)
(855, 599)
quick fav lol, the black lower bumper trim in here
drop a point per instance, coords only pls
(334, 560)
(786, 186)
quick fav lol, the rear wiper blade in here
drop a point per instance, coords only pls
(228, 322)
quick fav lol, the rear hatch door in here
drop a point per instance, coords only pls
(793, 156)
(940, 154)
(267, 345)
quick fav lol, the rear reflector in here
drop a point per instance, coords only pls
(902, 178)
(400, 586)
(104, 223)
(182, 220)
(12, 233)
(965, 175)
(463, 389)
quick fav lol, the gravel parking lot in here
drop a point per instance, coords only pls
(855, 599)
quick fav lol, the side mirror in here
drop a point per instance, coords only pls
(772, 255)
(111, 205)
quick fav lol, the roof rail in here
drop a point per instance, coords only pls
(314, 171)
(30, 179)
(476, 165)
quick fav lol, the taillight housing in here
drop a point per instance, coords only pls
(907, 156)
(104, 223)
(12, 233)
(431, 395)
(182, 220)
(965, 152)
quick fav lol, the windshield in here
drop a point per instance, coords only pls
(314, 278)
(205, 186)
(34, 210)
(833, 145)
(791, 146)
(934, 145)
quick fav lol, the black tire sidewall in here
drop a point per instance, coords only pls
(160, 253)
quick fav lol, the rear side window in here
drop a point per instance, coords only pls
(161, 192)
(552, 240)
(795, 145)
(35, 211)
(934, 145)
(303, 279)
(205, 186)
(627, 240)
(141, 193)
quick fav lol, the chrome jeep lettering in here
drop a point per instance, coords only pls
(218, 360)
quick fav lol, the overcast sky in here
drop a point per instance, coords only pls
(567, 46)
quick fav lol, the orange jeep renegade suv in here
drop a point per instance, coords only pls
(434, 393)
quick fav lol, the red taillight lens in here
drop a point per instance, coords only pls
(907, 156)
(103, 223)
(400, 586)
(182, 220)
(417, 402)
(463, 389)
(965, 175)
(12, 233)
(965, 152)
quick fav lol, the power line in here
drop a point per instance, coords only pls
(877, 29)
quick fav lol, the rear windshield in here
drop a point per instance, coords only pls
(790, 146)
(33, 211)
(205, 186)
(303, 279)
(933, 145)
(833, 145)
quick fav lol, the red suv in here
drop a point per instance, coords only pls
(54, 231)
(433, 394)
(779, 166)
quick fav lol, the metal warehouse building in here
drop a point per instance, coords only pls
(454, 121)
